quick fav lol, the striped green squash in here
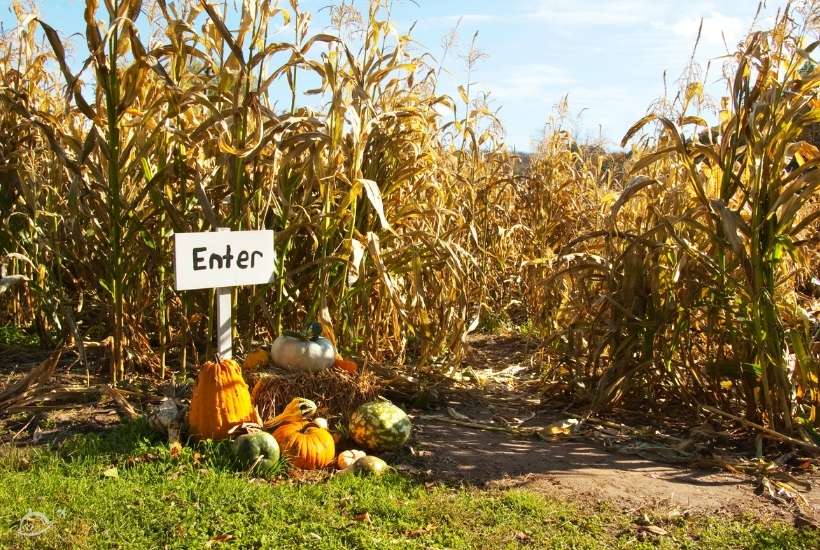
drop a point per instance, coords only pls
(380, 425)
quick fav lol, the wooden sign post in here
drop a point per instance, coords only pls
(223, 259)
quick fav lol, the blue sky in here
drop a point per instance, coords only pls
(608, 56)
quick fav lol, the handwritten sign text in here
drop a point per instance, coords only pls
(222, 259)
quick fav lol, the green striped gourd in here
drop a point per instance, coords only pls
(380, 425)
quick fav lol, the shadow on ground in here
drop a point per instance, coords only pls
(577, 467)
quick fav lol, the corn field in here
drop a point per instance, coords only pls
(681, 273)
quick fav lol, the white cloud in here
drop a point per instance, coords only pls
(475, 18)
(716, 27)
(594, 13)
(527, 81)
(609, 56)
(561, 13)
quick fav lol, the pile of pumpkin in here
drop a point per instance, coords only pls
(221, 407)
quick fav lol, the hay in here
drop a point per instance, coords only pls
(336, 393)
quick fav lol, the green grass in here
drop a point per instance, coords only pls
(154, 501)
(11, 335)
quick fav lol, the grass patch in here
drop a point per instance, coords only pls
(123, 489)
(14, 336)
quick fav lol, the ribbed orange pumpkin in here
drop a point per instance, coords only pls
(220, 401)
(306, 445)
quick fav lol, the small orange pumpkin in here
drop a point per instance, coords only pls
(256, 359)
(308, 446)
(220, 400)
(345, 365)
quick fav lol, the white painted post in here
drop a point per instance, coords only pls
(224, 328)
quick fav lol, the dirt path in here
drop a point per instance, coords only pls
(577, 467)
(582, 470)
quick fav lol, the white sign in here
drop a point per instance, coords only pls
(220, 259)
(223, 259)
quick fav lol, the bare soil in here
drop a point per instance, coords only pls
(580, 469)
(577, 467)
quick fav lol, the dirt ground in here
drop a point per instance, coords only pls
(578, 467)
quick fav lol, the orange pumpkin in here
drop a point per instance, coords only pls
(306, 445)
(345, 365)
(220, 400)
(255, 359)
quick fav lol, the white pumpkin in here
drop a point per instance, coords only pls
(347, 459)
(296, 354)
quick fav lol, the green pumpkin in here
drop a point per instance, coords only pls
(380, 425)
(258, 450)
(370, 465)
